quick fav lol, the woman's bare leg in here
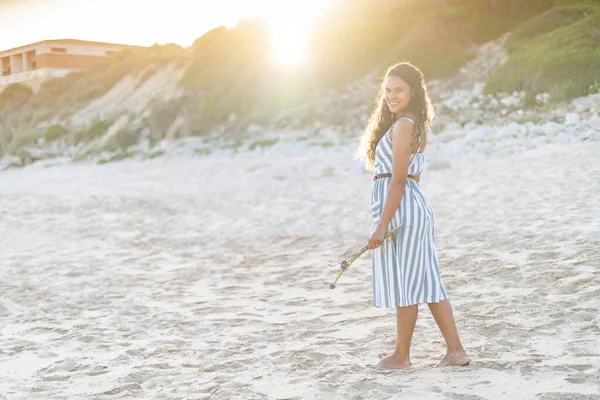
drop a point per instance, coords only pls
(406, 318)
(442, 313)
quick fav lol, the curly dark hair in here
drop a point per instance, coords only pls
(382, 119)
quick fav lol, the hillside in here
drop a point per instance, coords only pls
(511, 61)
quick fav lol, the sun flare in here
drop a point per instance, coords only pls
(181, 22)
(289, 28)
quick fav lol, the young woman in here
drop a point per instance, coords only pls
(405, 269)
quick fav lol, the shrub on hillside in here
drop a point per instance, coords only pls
(55, 132)
(228, 68)
(96, 130)
(554, 18)
(563, 62)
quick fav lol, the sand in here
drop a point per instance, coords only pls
(207, 278)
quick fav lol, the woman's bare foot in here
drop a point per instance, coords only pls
(393, 362)
(459, 358)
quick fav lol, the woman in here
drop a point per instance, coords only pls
(405, 269)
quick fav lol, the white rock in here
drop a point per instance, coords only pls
(452, 126)
(552, 128)
(452, 134)
(327, 170)
(478, 89)
(542, 98)
(572, 119)
(507, 132)
(357, 168)
(470, 125)
(511, 101)
(438, 165)
(51, 162)
(9, 161)
(589, 134)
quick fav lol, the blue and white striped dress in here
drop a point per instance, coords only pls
(405, 268)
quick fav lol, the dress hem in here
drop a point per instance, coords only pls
(410, 304)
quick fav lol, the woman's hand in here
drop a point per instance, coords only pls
(376, 238)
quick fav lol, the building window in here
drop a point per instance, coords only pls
(58, 49)
(33, 65)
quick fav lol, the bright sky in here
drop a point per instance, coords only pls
(145, 22)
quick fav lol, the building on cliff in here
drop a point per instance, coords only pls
(33, 63)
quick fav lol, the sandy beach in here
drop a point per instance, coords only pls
(207, 278)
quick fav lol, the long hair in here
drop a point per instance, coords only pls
(382, 119)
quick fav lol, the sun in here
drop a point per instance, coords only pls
(289, 26)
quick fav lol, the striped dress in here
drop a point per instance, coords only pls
(405, 268)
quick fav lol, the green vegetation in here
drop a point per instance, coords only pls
(548, 55)
(111, 146)
(227, 70)
(154, 154)
(202, 151)
(262, 143)
(552, 19)
(117, 157)
(357, 36)
(96, 130)
(55, 131)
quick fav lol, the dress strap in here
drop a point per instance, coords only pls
(408, 119)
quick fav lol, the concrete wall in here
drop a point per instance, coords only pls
(68, 61)
(33, 78)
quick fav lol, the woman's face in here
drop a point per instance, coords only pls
(397, 94)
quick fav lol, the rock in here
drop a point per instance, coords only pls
(37, 153)
(10, 161)
(514, 101)
(436, 165)
(513, 130)
(327, 170)
(452, 126)
(357, 168)
(542, 98)
(552, 128)
(589, 134)
(51, 162)
(470, 125)
(452, 134)
(572, 119)
(478, 89)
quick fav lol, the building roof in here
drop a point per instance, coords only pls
(66, 42)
